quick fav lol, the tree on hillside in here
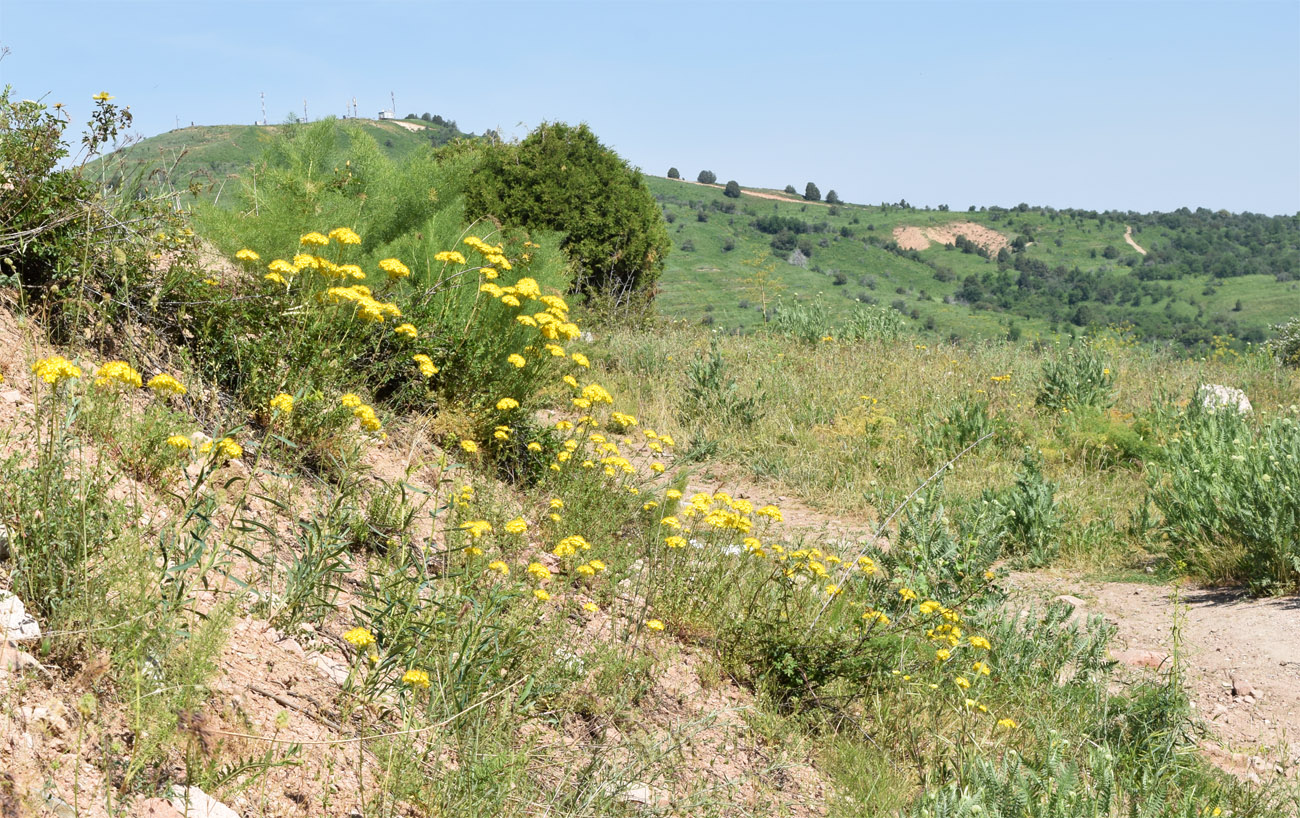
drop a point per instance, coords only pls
(673, 173)
(811, 193)
(732, 189)
(426, 116)
(790, 189)
(561, 178)
(832, 197)
(707, 177)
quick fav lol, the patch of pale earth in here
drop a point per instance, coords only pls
(1128, 237)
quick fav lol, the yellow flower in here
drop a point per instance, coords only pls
(586, 570)
(580, 359)
(590, 607)
(345, 235)
(541, 594)
(516, 526)
(477, 528)
(369, 420)
(875, 616)
(962, 682)
(907, 593)
(506, 404)
(942, 654)
(283, 267)
(654, 624)
(510, 301)
(657, 468)
(534, 446)
(980, 642)
(117, 373)
(394, 268)
(282, 403)
(981, 668)
(833, 590)
(538, 571)
(225, 448)
(164, 384)
(179, 442)
(102, 96)
(247, 255)
(359, 638)
(407, 330)
(675, 541)
(516, 360)
(469, 446)
(571, 381)
(557, 503)
(930, 606)
(416, 678)
(314, 239)
(276, 278)
(449, 256)
(56, 369)
(867, 565)
(771, 512)
(673, 494)
(427, 369)
(500, 567)
(1010, 724)
(350, 400)
(670, 522)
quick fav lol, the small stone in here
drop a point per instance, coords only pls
(11, 396)
(1241, 687)
(16, 624)
(1248, 699)
(1072, 601)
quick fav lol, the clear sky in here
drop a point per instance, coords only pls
(1131, 106)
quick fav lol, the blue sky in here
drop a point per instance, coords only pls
(1138, 105)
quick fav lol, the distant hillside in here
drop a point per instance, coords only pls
(210, 158)
(1026, 271)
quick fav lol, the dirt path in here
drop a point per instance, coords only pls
(1241, 658)
(1128, 237)
(756, 193)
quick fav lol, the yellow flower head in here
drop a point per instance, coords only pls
(516, 360)
(359, 638)
(180, 443)
(449, 257)
(499, 567)
(225, 449)
(165, 384)
(590, 607)
(477, 528)
(516, 526)
(282, 403)
(407, 331)
(117, 373)
(1007, 724)
(247, 255)
(350, 400)
(102, 96)
(538, 571)
(541, 594)
(345, 235)
(56, 369)
(469, 446)
(654, 624)
(675, 541)
(416, 678)
(427, 369)
(557, 503)
(580, 359)
(907, 593)
(506, 404)
(394, 268)
(313, 239)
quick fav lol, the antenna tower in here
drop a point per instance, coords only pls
(263, 107)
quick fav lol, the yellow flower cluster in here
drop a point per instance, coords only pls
(394, 268)
(247, 255)
(282, 403)
(407, 331)
(345, 235)
(449, 257)
(225, 448)
(477, 528)
(180, 443)
(425, 363)
(117, 373)
(56, 369)
(313, 239)
(416, 678)
(366, 305)
(359, 638)
(165, 384)
(492, 253)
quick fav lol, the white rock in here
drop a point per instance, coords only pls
(193, 802)
(1214, 397)
(16, 624)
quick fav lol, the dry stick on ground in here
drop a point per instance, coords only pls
(283, 702)
(848, 566)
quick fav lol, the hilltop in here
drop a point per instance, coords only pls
(209, 159)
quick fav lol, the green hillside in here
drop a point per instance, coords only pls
(1203, 273)
(208, 159)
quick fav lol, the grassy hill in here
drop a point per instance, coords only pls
(1202, 274)
(210, 158)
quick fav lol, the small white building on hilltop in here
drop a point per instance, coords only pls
(387, 115)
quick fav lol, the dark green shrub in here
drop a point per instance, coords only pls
(1077, 377)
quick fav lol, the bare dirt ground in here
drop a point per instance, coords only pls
(919, 238)
(1128, 237)
(1240, 656)
(758, 194)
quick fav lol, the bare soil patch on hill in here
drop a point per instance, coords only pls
(919, 238)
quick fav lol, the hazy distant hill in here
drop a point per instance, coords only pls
(1184, 276)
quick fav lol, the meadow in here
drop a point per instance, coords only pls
(340, 501)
